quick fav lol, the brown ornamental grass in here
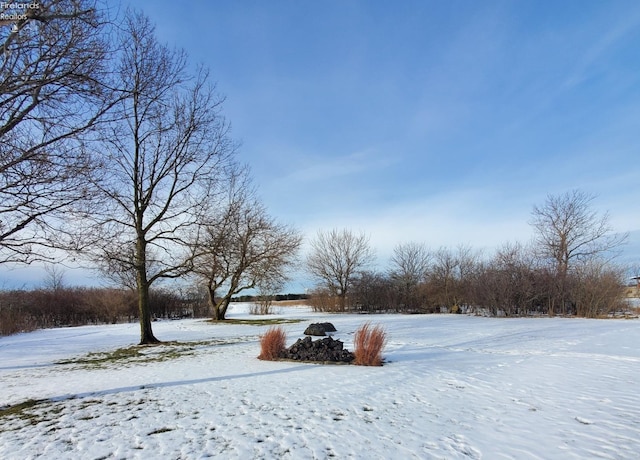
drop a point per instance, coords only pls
(272, 344)
(368, 344)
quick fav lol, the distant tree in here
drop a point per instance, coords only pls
(374, 292)
(507, 283)
(267, 290)
(166, 156)
(410, 264)
(54, 281)
(336, 258)
(597, 289)
(52, 94)
(451, 277)
(240, 247)
(569, 232)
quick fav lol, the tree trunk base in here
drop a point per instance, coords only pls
(149, 341)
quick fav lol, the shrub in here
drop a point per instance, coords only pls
(321, 301)
(368, 345)
(261, 306)
(272, 344)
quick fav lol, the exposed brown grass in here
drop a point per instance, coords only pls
(272, 344)
(368, 344)
(291, 303)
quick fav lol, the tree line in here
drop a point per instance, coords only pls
(57, 305)
(27, 310)
(568, 269)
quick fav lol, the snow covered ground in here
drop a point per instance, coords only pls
(453, 387)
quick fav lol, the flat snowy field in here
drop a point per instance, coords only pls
(453, 387)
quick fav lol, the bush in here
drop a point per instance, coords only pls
(368, 345)
(261, 306)
(272, 344)
(12, 322)
(323, 302)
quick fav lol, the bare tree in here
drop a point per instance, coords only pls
(374, 293)
(568, 231)
(241, 247)
(52, 68)
(336, 257)
(54, 281)
(506, 284)
(598, 289)
(164, 159)
(409, 267)
(266, 291)
(451, 276)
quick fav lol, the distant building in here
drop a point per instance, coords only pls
(633, 290)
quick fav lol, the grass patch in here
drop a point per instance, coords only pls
(143, 354)
(256, 322)
(29, 412)
(99, 358)
(292, 303)
(19, 410)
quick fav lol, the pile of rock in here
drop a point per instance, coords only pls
(325, 349)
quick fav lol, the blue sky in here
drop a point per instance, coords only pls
(434, 121)
(441, 122)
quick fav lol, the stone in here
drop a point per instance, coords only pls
(319, 329)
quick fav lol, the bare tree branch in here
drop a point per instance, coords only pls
(52, 96)
(167, 155)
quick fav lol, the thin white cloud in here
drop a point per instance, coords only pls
(450, 219)
(596, 55)
(320, 169)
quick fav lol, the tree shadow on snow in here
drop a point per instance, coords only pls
(175, 383)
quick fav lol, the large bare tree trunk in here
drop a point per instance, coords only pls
(343, 301)
(144, 309)
(219, 308)
(146, 332)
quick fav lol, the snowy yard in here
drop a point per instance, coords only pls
(453, 387)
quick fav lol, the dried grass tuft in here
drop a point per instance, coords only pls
(368, 344)
(272, 344)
